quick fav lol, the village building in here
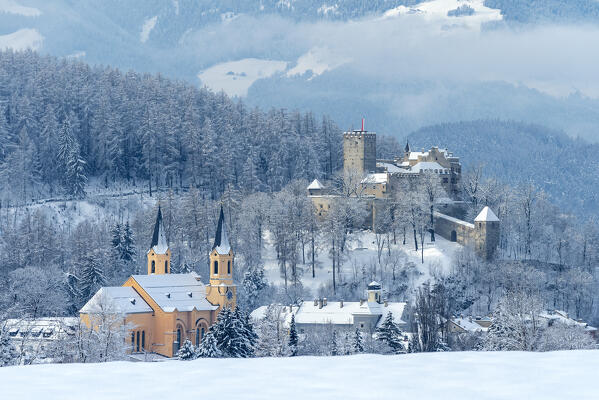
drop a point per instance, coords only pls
(166, 309)
(365, 315)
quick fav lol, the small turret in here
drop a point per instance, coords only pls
(159, 255)
(374, 292)
(221, 290)
(486, 228)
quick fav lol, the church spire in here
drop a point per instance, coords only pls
(407, 149)
(221, 240)
(159, 255)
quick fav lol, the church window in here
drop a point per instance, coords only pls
(202, 332)
(178, 335)
(216, 267)
(137, 342)
(132, 342)
(153, 266)
(197, 336)
(166, 267)
(143, 340)
(229, 267)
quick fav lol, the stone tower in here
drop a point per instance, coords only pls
(159, 255)
(359, 151)
(486, 233)
(221, 291)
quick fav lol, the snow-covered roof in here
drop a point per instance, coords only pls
(415, 154)
(469, 325)
(221, 240)
(333, 313)
(455, 220)
(486, 215)
(429, 166)
(116, 299)
(376, 178)
(562, 316)
(43, 324)
(315, 185)
(391, 168)
(183, 292)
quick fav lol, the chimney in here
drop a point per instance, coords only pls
(386, 303)
(132, 300)
(362, 124)
(190, 294)
(315, 302)
(361, 302)
(324, 301)
(340, 303)
(319, 304)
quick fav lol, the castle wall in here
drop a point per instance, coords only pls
(454, 229)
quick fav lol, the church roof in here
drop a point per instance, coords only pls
(486, 215)
(118, 299)
(407, 148)
(159, 243)
(183, 292)
(221, 240)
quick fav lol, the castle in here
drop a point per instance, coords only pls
(383, 181)
(166, 309)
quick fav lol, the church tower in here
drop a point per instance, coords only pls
(159, 255)
(221, 291)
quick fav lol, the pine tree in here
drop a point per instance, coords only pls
(8, 353)
(91, 275)
(128, 252)
(334, 344)
(358, 342)
(390, 334)
(209, 347)
(187, 351)
(116, 238)
(293, 337)
(234, 334)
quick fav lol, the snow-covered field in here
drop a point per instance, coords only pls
(363, 252)
(447, 376)
(22, 39)
(236, 77)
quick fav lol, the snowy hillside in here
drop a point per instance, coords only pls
(448, 376)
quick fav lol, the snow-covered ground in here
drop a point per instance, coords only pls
(146, 28)
(236, 77)
(22, 39)
(448, 376)
(362, 251)
(437, 11)
(318, 60)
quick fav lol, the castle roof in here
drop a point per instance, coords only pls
(159, 243)
(315, 185)
(486, 215)
(221, 240)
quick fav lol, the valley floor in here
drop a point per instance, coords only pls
(448, 376)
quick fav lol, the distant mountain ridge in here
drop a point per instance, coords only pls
(517, 153)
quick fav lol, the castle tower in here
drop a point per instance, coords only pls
(159, 255)
(221, 291)
(374, 292)
(359, 151)
(486, 233)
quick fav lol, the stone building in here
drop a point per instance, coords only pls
(359, 151)
(166, 309)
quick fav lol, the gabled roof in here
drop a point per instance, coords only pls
(183, 292)
(315, 185)
(486, 215)
(159, 243)
(116, 299)
(221, 240)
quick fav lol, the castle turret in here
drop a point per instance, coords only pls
(221, 291)
(159, 255)
(486, 233)
(359, 151)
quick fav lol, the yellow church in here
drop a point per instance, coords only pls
(166, 309)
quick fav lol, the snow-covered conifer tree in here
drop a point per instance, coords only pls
(390, 334)
(293, 337)
(209, 346)
(187, 351)
(358, 342)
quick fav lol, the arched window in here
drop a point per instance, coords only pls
(202, 332)
(153, 266)
(179, 335)
(132, 342)
(137, 344)
(166, 267)
(197, 336)
(216, 267)
(143, 340)
(229, 267)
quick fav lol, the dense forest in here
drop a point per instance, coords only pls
(64, 124)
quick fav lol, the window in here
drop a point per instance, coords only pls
(362, 325)
(132, 342)
(445, 180)
(229, 267)
(216, 267)
(137, 344)
(197, 336)
(166, 267)
(202, 332)
(153, 266)
(143, 340)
